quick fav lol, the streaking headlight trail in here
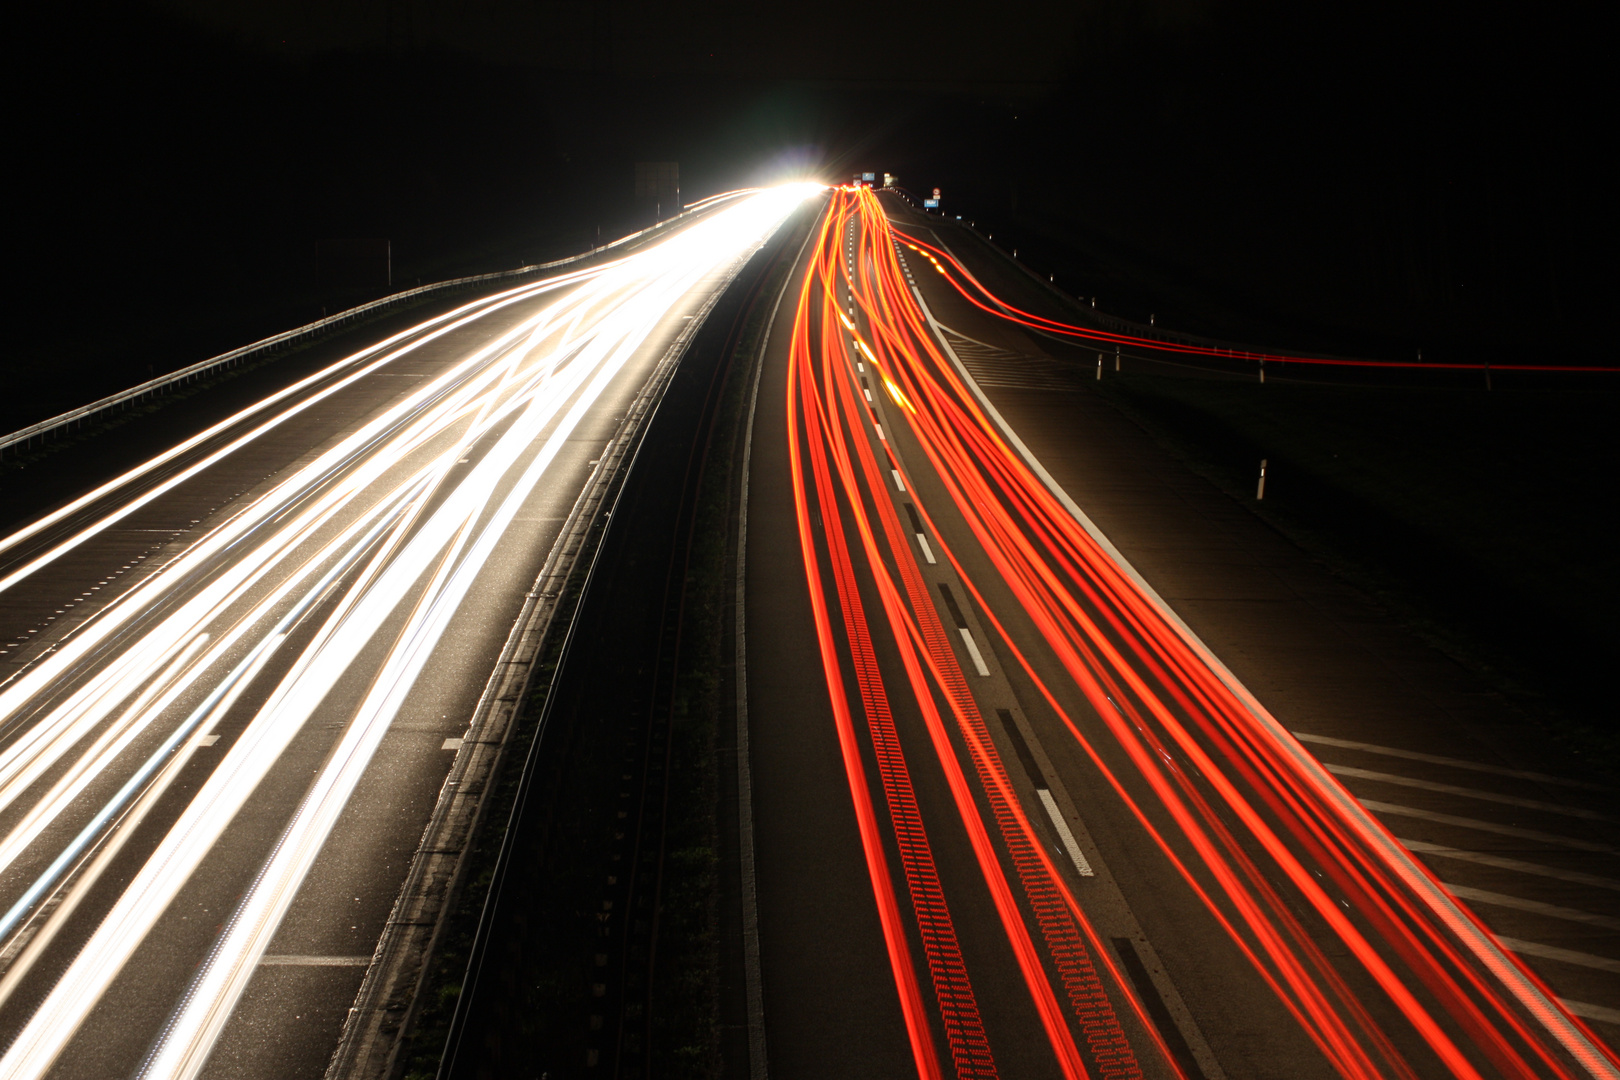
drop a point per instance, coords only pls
(370, 548)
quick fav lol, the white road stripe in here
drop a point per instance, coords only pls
(928, 552)
(1437, 759)
(1535, 907)
(1589, 1011)
(973, 650)
(1471, 793)
(1064, 834)
(1486, 859)
(899, 483)
(290, 960)
(1563, 956)
(1488, 826)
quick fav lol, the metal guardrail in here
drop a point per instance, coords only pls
(125, 398)
(1117, 323)
(1200, 352)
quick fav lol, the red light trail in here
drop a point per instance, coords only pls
(1381, 969)
(982, 298)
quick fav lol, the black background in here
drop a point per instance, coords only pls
(1372, 178)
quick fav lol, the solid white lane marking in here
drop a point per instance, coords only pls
(1064, 834)
(1488, 826)
(1563, 956)
(1501, 863)
(1536, 907)
(1437, 759)
(973, 650)
(1589, 1011)
(1471, 793)
(899, 483)
(291, 960)
(451, 744)
(928, 552)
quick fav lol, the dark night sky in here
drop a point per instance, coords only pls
(1372, 177)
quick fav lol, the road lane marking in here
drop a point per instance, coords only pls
(1471, 793)
(294, 960)
(447, 540)
(899, 483)
(1456, 763)
(1502, 863)
(1488, 826)
(1563, 956)
(1026, 758)
(1589, 1011)
(1064, 834)
(451, 744)
(922, 537)
(1537, 907)
(1111, 903)
(973, 650)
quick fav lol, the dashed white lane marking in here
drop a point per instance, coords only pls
(1483, 858)
(1456, 763)
(899, 483)
(1565, 956)
(928, 552)
(973, 650)
(1064, 834)
(451, 744)
(315, 961)
(206, 740)
(1535, 907)
(1488, 826)
(1588, 1011)
(1471, 793)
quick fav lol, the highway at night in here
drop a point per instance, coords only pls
(613, 540)
(236, 674)
(1067, 841)
(1040, 760)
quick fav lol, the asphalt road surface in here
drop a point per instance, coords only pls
(1013, 815)
(235, 675)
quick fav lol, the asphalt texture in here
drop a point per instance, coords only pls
(1445, 762)
(571, 971)
(288, 1021)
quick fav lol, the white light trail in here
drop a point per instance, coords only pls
(384, 512)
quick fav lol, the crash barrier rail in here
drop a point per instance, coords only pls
(1211, 353)
(25, 437)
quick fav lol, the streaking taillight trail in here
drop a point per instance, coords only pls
(1382, 970)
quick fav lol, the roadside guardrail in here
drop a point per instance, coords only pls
(25, 437)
